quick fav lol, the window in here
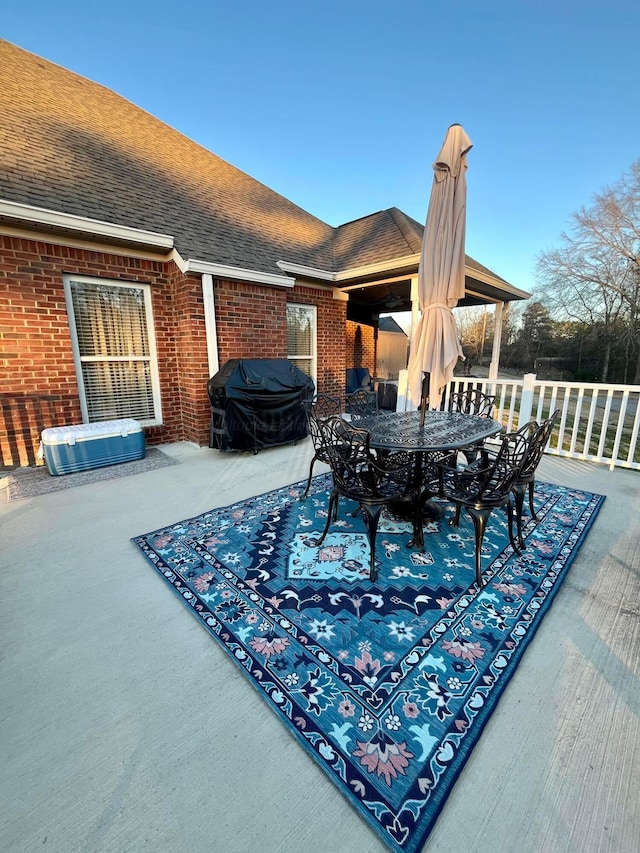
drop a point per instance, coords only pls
(114, 349)
(301, 338)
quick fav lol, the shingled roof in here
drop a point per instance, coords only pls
(72, 146)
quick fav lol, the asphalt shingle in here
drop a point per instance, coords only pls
(73, 146)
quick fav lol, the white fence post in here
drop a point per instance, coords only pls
(526, 400)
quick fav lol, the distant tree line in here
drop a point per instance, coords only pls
(583, 322)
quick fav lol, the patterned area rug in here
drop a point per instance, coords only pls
(387, 686)
(31, 482)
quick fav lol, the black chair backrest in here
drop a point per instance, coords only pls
(538, 436)
(491, 478)
(472, 401)
(323, 405)
(362, 404)
(317, 411)
(313, 422)
(356, 470)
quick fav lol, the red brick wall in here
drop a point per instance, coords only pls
(189, 398)
(252, 323)
(251, 320)
(38, 387)
(332, 316)
(361, 346)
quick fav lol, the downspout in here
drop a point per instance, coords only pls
(210, 324)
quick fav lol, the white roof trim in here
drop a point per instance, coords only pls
(44, 216)
(496, 282)
(223, 271)
(100, 228)
(408, 260)
(380, 266)
(312, 272)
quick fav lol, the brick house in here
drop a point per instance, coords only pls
(134, 263)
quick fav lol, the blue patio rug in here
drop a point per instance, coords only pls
(387, 685)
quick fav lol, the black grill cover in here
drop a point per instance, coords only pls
(257, 402)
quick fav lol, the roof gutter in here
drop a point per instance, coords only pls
(84, 225)
(99, 228)
(497, 282)
(344, 275)
(380, 266)
(41, 216)
(224, 271)
(394, 263)
(308, 272)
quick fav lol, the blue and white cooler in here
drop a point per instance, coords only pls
(81, 447)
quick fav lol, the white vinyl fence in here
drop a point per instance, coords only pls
(597, 422)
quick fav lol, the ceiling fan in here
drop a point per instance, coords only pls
(391, 301)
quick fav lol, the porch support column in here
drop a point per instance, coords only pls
(210, 324)
(497, 338)
(415, 306)
(404, 402)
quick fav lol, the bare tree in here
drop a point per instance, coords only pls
(595, 275)
(469, 324)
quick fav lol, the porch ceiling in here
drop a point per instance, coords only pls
(375, 295)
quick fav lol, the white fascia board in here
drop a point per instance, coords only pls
(308, 272)
(410, 260)
(381, 266)
(43, 216)
(498, 283)
(223, 271)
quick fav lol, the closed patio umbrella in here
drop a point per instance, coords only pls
(435, 346)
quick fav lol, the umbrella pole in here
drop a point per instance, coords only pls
(424, 397)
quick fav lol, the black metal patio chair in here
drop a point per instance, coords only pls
(538, 436)
(362, 476)
(361, 404)
(472, 401)
(483, 485)
(321, 407)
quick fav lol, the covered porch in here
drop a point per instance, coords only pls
(372, 293)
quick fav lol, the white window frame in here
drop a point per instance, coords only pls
(152, 358)
(313, 357)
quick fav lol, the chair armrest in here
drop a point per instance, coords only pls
(466, 483)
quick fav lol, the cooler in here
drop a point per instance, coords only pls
(67, 449)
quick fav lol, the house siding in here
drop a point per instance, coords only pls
(38, 386)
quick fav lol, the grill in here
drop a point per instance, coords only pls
(256, 403)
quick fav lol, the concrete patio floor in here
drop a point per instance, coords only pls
(124, 727)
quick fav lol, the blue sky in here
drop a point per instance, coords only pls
(342, 106)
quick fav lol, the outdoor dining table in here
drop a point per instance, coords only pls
(442, 431)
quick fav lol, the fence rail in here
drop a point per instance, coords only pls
(597, 423)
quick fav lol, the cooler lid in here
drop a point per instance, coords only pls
(78, 432)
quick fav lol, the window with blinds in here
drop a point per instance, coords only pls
(114, 349)
(301, 338)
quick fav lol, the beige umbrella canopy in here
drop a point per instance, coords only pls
(435, 346)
